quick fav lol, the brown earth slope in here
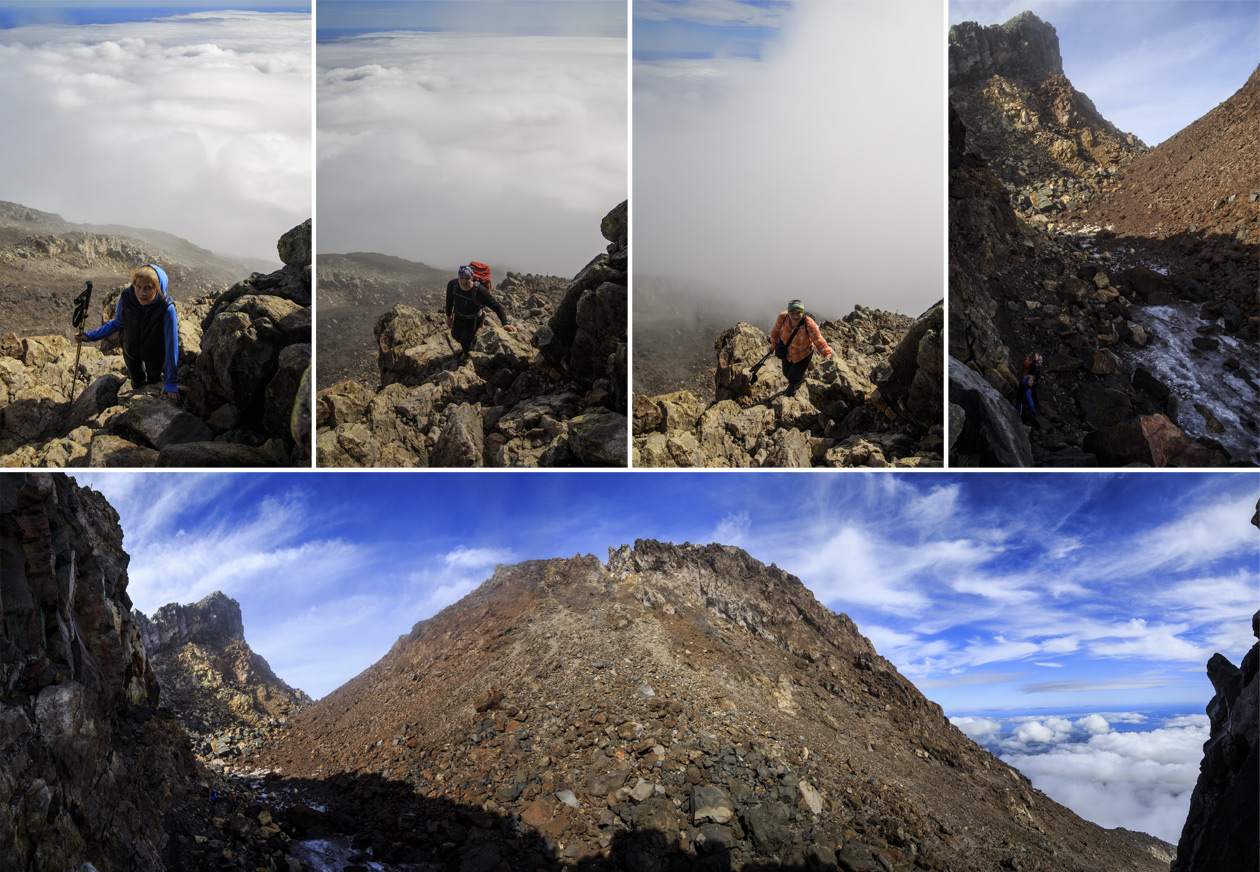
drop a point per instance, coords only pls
(678, 707)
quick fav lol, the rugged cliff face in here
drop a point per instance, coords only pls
(875, 402)
(1135, 279)
(244, 361)
(224, 694)
(1007, 84)
(1220, 831)
(551, 394)
(677, 707)
(91, 767)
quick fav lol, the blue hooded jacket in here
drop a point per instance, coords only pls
(131, 316)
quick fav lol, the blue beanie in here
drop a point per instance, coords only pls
(465, 272)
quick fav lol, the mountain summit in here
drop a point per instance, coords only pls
(677, 705)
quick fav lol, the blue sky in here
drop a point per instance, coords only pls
(1150, 68)
(205, 110)
(1063, 620)
(535, 17)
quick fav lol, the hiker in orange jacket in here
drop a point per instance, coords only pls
(794, 338)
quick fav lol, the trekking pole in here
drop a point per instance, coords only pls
(756, 366)
(79, 318)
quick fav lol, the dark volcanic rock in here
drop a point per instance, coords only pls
(92, 766)
(1220, 831)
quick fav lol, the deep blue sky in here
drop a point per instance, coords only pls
(1150, 68)
(992, 592)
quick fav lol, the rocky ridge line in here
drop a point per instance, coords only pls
(678, 707)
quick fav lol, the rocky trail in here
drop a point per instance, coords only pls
(1133, 270)
(875, 402)
(244, 362)
(550, 394)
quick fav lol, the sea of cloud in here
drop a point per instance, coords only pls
(198, 125)
(816, 172)
(1140, 779)
(446, 147)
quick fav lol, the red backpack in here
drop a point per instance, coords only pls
(481, 273)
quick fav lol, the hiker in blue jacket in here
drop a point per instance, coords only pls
(150, 330)
(1025, 404)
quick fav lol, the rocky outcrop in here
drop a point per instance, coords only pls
(226, 696)
(1040, 135)
(556, 398)
(243, 355)
(875, 402)
(1017, 287)
(92, 765)
(676, 707)
(1220, 830)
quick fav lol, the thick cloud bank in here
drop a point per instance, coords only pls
(1140, 780)
(197, 125)
(816, 172)
(446, 147)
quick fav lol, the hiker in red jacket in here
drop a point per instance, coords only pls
(465, 299)
(794, 338)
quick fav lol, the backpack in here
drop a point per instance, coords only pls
(481, 273)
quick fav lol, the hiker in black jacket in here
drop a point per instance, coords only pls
(466, 299)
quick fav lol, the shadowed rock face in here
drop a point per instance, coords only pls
(683, 705)
(1220, 831)
(551, 394)
(91, 766)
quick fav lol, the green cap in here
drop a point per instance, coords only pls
(796, 305)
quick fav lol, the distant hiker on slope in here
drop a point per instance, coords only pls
(467, 297)
(1026, 404)
(150, 330)
(794, 338)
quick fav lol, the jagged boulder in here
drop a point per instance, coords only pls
(754, 423)
(987, 429)
(521, 400)
(243, 356)
(1150, 440)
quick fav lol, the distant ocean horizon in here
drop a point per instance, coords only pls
(22, 16)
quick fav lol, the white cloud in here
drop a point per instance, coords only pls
(752, 176)
(981, 730)
(197, 125)
(443, 147)
(733, 529)
(1138, 780)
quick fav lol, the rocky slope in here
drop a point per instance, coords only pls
(875, 402)
(1148, 327)
(225, 695)
(45, 259)
(551, 394)
(90, 765)
(243, 371)
(352, 290)
(677, 707)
